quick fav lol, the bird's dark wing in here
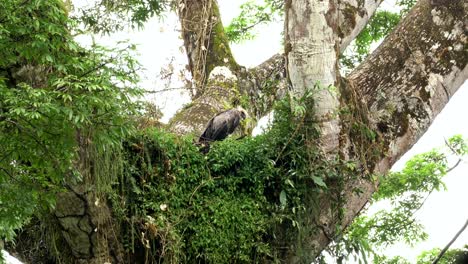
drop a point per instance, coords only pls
(207, 134)
(211, 128)
(220, 126)
(234, 121)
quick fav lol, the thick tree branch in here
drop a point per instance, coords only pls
(205, 41)
(400, 89)
(264, 85)
(413, 74)
(407, 81)
(221, 90)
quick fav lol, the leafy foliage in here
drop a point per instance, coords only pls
(379, 26)
(452, 256)
(52, 92)
(253, 14)
(405, 5)
(405, 192)
(231, 205)
(106, 16)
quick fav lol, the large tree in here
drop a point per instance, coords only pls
(396, 92)
(345, 129)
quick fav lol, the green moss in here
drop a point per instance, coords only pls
(246, 201)
(196, 113)
(221, 54)
(349, 12)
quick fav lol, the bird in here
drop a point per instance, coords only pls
(222, 125)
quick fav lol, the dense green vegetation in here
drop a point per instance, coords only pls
(244, 201)
(53, 95)
(230, 205)
(405, 191)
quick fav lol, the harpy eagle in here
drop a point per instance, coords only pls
(222, 125)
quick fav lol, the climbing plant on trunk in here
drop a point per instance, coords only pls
(380, 109)
(283, 196)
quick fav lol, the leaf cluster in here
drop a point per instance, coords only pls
(405, 193)
(378, 27)
(451, 256)
(232, 205)
(53, 93)
(107, 16)
(253, 14)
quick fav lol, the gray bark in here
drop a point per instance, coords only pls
(401, 88)
(205, 42)
(312, 51)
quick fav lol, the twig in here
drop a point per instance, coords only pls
(454, 152)
(425, 199)
(164, 90)
(450, 243)
(201, 185)
(454, 166)
(97, 67)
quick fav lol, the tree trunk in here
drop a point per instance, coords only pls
(84, 217)
(312, 50)
(205, 42)
(397, 92)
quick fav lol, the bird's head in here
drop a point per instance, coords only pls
(242, 111)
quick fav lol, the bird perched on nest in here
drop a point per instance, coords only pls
(221, 126)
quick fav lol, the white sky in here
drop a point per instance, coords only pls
(443, 213)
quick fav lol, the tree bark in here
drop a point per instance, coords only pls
(312, 51)
(205, 42)
(400, 89)
(84, 216)
(221, 90)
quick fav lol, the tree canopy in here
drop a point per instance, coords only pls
(90, 175)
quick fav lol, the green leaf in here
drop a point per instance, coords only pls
(283, 199)
(319, 181)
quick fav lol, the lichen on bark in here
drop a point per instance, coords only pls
(221, 92)
(396, 94)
